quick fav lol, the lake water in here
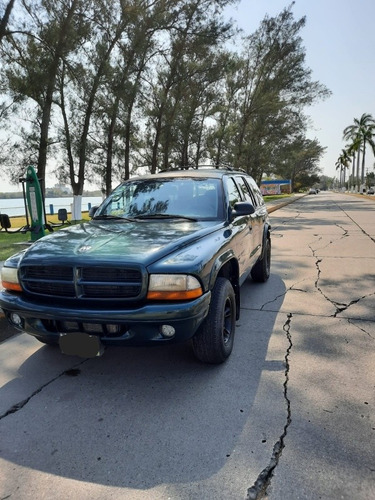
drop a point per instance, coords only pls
(16, 206)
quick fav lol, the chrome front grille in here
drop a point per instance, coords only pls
(83, 282)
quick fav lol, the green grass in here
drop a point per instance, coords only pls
(274, 197)
(12, 243)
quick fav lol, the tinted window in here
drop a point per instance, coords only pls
(255, 189)
(246, 191)
(233, 192)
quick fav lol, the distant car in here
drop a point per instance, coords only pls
(313, 191)
(371, 191)
(161, 261)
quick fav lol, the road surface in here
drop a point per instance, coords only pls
(291, 415)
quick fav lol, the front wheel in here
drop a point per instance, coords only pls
(213, 343)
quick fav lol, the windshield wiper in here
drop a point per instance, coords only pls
(165, 216)
(111, 217)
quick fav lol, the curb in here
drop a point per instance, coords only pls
(370, 197)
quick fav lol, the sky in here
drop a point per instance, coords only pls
(339, 39)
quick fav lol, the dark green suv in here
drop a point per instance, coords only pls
(161, 261)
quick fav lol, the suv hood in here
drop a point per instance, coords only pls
(111, 241)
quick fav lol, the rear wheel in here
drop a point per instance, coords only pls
(213, 342)
(261, 270)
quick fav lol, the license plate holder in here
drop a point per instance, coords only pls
(80, 344)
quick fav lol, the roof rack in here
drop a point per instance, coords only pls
(222, 166)
(230, 168)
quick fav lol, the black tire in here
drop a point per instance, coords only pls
(261, 270)
(213, 343)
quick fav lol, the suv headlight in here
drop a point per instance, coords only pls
(9, 272)
(173, 287)
(9, 279)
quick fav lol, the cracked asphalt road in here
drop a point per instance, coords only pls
(289, 416)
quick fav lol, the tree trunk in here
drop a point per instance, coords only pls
(5, 19)
(110, 140)
(185, 153)
(357, 176)
(78, 186)
(199, 141)
(108, 165)
(363, 163)
(128, 129)
(155, 147)
(46, 112)
(353, 172)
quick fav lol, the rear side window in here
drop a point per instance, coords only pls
(246, 191)
(255, 190)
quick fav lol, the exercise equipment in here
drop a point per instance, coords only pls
(34, 208)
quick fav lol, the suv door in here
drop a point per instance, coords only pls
(256, 219)
(242, 227)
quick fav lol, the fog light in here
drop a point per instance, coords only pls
(16, 319)
(113, 329)
(167, 331)
(92, 328)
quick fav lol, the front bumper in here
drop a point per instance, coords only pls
(138, 326)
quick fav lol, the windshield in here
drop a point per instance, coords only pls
(185, 198)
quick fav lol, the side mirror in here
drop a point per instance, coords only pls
(92, 211)
(242, 208)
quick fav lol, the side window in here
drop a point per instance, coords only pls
(256, 191)
(246, 191)
(233, 193)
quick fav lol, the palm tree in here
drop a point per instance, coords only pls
(367, 138)
(342, 163)
(353, 151)
(361, 133)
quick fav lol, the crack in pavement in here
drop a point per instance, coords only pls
(354, 222)
(345, 231)
(282, 224)
(344, 307)
(291, 288)
(18, 406)
(339, 306)
(334, 240)
(274, 300)
(259, 488)
(362, 329)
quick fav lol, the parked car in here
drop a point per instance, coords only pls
(313, 191)
(161, 261)
(370, 190)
